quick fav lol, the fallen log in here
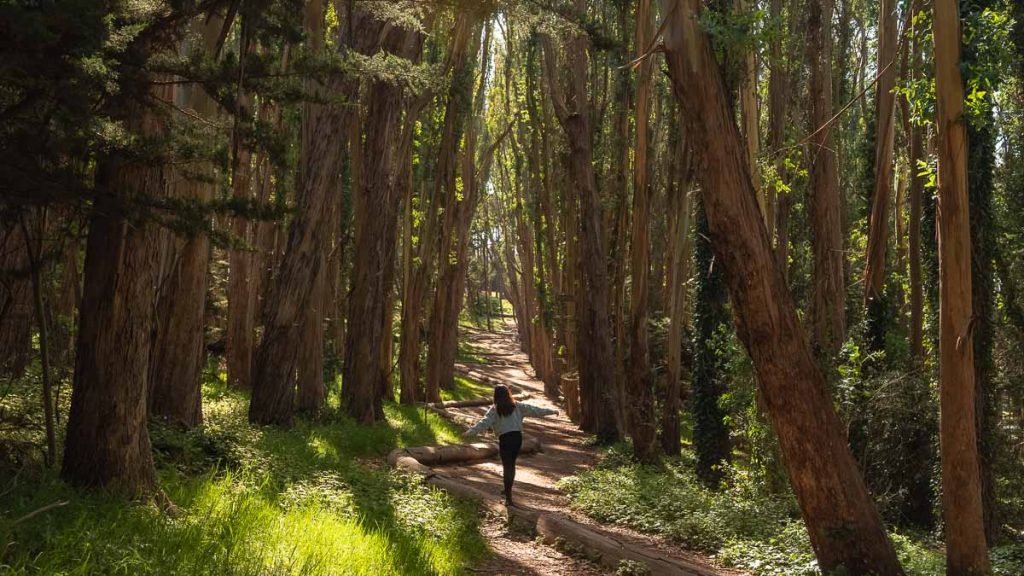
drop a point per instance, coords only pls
(554, 529)
(427, 456)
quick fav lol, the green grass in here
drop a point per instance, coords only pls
(315, 499)
(467, 352)
(467, 389)
(741, 524)
(474, 315)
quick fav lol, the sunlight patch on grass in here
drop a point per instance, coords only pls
(313, 500)
(467, 388)
(741, 524)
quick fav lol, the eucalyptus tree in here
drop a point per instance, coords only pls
(966, 550)
(598, 373)
(844, 527)
(367, 362)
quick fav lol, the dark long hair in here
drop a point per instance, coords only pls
(503, 400)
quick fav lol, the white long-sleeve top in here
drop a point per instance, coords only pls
(511, 423)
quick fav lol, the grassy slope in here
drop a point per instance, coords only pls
(467, 389)
(742, 524)
(316, 499)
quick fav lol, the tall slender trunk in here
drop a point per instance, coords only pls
(678, 274)
(176, 365)
(310, 359)
(916, 154)
(598, 358)
(828, 304)
(642, 426)
(777, 111)
(39, 305)
(15, 303)
(300, 274)
(443, 194)
(966, 551)
(711, 317)
(885, 110)
(242, 298)
(377, 203)
(454, 261)
(751, 125)
(844, 527)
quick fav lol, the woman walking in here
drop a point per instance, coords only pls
(505, 417)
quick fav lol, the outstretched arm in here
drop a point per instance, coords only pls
(482, 424)
(531, 410)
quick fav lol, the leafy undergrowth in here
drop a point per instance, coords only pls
(467, 389)
(741, 525)
(316, 499)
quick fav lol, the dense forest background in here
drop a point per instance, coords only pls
(769, 252)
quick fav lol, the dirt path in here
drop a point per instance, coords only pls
(565, 452)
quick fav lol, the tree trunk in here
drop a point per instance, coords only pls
(878, 230)
(377, 204)
(242, 297)
(778, 86)
(711, 317)
(39, 305)
(15, 303)
(176, 365)
(599, 356)
(916, 154)
(107, 443)
(642, 426)
(292, 292)
(310, 360)
(982, 131)
(829, 293)
(751, 125)
(678, 275)
(966, 552)
(844, 527)
(443, 193)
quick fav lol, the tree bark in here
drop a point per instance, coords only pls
(678, 275)
(599, 356)
(443, 194)
(15, 303)
(966, 551)
(844, 527)
(310, 360)
(107, 443)
(751, 125)
(176, 366)
(828, 308)
(916, 154)
(642, 425)
(885, 110)
(377, 203)
(39, 305)
(242, 298)
(292, 292)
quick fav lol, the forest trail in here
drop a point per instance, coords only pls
(565, 452)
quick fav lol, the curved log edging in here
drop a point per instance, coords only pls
(552, 528)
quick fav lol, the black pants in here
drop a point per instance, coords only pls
(509, 444)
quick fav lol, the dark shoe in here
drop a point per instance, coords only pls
(508, 498)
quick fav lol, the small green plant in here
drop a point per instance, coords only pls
(632, 568)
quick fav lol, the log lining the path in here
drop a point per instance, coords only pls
(552, 528)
